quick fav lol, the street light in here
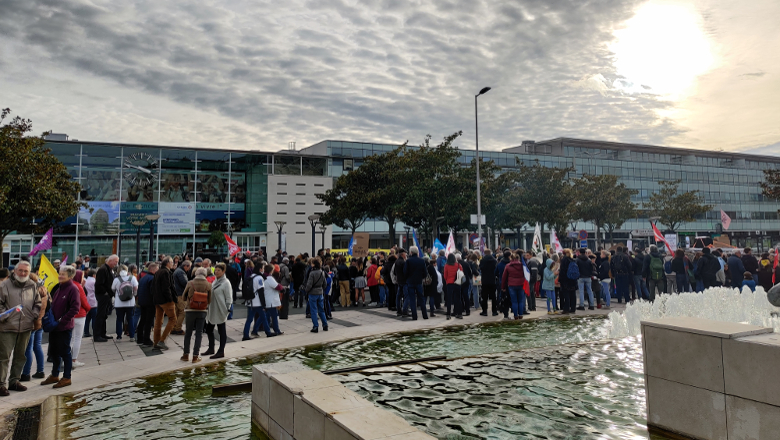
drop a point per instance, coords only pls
(479, 196)
(139, 224)
(323, 228)
(313, 219)
(279, 225)
(152, 218)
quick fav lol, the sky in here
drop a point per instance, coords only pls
(256, 75)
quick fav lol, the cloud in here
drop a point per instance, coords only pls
(244, 74)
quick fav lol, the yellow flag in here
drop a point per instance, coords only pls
(48, 274)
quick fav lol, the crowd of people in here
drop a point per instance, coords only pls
(198, 298)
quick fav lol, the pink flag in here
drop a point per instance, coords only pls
(44, 244)
(725, 219)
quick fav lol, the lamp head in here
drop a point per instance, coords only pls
(484, 90)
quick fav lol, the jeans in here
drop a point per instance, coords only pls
(136, 316)
(272, 318)
(517, 294)
(144, 330)
(222, 336)
(382, 294)
(475, 295)
(682, 283)
(67, 359)
(641, 287)
(452, 298)
(621, 287)
(34, 347)
(584, 284)
(160, 311)
(90, 320)
(432, 303)
(121, 313)
(550, 295)
(605, 292)
(317, 306)
(415, 293)
(194, 322)
(465, 296)
(256, 314)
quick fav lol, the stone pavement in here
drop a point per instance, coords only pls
(120, 360)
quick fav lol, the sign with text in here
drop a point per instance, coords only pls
(176, 218)
(360, 247)
(672, 240)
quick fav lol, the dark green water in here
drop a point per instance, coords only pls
(179, 404)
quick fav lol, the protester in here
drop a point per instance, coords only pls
(372, 280)
(298, 272)
(15, 328)
(401, 298)
(145, 301)
(79, 320)
(568, 278)
(124, 287)
(430, 285)
(197, 295)
(256, 308)
(653, 270)
(104, 280)
(359, 278)
(764, 272)
(604, 278)
(180, 280)
(548, 284)
(218, 309)
(621, 267)
(748, 281)
(585, 281)
(487, 268)
(736, 269)
(34, 347)
(451, 288)
(164, 298)
(89, 289)
(416, 272)
(272, 289)
(315, 285)
(512, 281)
(65, 305)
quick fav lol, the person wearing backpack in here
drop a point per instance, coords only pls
(197, 296)
(255, 299)
(124, 287)
(671, 276)
(653, 270)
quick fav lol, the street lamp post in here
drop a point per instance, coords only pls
(407, 235)
(139, 224)
(313, 220)
(279, 225)
(323, 228)
(152, 218)
(479, 196)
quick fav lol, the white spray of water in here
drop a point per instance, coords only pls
(717, 303)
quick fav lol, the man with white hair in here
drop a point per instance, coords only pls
(104, 293)
(15, 326)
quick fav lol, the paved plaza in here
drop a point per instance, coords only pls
(121, 360)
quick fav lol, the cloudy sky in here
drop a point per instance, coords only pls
(258, 74)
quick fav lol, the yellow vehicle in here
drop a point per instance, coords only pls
(345, 252)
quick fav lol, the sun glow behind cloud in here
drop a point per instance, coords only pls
(662, 50)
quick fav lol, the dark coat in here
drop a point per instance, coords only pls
(488, 268)
(162, 287)
(750, 263)
(144, 295)
(565, 282)
(400, 274)
(736, 271)
(430, 289)
(104, 279)
(585, 266)
(233, 276)
(621, 264)
(180, 280)
(298, 272)
(415, 270)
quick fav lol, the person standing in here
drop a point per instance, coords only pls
(452, 289)
(104, 281)
(680, 265)
(533, 271)
(584, 283)
(373, 282)
(415, 271)
(736, 269)
(749, 261)
(15, 328)
(180, 280)
(765, 272)
(195, 312)
(621, 267)
(604, 278)
(124, 287)
(315, 285)
(476, 279)
(65, 305)
(465, 288)
(164, 298)
(512, 281)
(79, 320)
(640, 281)
(298, 272)
(146, 303)
(401, 298)
(89, 289)
(256, 309)
(271, 291)
(392, 288)
(218, 310)
(548, 285)
(432, 287)
(653, 270)
(488, 269)
(34, 348)
(568, 284)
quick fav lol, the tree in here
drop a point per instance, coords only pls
(542, 195)
(383, 198)
(34, 184)
(770, 188)
(601, 200)
(347, 202)
(216, 239)
(675, 208)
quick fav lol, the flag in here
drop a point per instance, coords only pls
(537, 241)
(232, 246)
(437, 246)
(725, 219)
(64, 261)
(774, 267)
(659, 237)
(554, 243)
(527, 278)
(44, 244)
(47, 274)
(450, 246)
(351, 243)
(416, 241)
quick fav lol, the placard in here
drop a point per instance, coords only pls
(360, 247)
(672, 240)
(176, 218)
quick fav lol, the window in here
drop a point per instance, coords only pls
(300, 184)
(281, 194)
(300, 203)
(348, 165)
(281, 203)
(281, 213)
(319, 184)
(282, 183)
(300, 213)
(300, 194)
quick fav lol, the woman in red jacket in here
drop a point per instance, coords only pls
(452, 290)
(80, 319)
(513, 280)
(373, 283)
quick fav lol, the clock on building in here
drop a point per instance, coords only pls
(140, 169)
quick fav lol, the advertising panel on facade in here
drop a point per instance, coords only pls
(103, 218)
(176, 218)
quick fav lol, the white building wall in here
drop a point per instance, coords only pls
(293, 199)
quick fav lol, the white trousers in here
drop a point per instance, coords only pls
(78, 332)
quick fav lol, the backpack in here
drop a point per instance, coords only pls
(668, 267)
(656, 268)
(249, 293)
(126, 289)
(573, 272)
(428, 280)
(199, 301)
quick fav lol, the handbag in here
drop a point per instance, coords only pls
(48, 323)
(199, 301)
(460, 276)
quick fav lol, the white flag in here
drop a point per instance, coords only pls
(450, 246)
(725, 219)
(554, 243)
(537, 243)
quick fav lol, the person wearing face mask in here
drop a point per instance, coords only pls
(15, 326)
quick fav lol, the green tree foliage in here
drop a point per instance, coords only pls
(604, 202)
(770, 187)
(542, 195)
(34, 185)
(675, 208)
(217, 239)
(382, 193)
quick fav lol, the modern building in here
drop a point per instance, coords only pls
(249, 193)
